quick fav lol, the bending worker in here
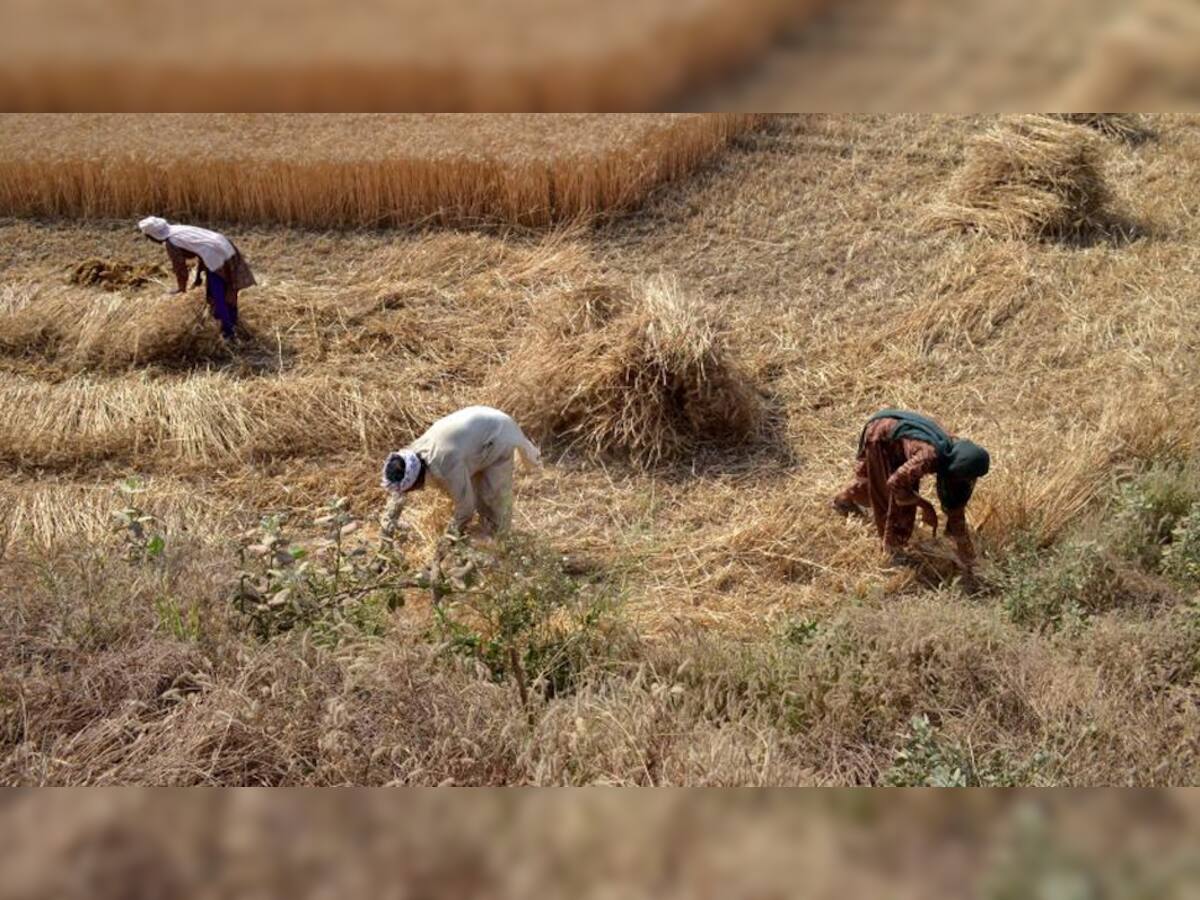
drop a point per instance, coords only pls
(469, 456)
(226, 272)
(895, 451)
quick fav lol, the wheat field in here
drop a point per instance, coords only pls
(371, 170)
(805, 278)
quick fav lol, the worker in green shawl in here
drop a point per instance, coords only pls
(898, 448)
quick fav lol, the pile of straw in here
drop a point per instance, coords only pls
(1127, 127)
(82, 332)
(1030, 177)
(113, 276)
(640, 373)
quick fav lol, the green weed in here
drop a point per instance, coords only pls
(522, 616)
(929, 759)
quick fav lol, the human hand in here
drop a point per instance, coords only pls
(929, 517)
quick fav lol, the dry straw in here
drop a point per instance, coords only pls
(1029, 177)
(641, 372)
(466, 180)
(1128, 127)
(81, 330)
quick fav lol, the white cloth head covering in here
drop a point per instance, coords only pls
(154, 227)
(412, 471)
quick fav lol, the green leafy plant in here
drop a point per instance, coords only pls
(138, 530)
(1058, 590)
(1148, 509)
(522, 616)
(1181, 558)
(801, 631)
(928, 759)
(336, 586)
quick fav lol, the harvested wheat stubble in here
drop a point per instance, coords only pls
(640, 372)
(301, 170)
(44, 513)
(981, 295)
(1029, 177)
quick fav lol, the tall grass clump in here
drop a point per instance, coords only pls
(640, 372)
(1029, 178)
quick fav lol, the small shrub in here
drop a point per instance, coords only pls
(522, 616)
(141, 539)
(800, 632)
(1181, 558)
(1147, 511)
(337, 587)
(1058, 590)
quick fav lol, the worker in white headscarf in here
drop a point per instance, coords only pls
(226, 272)
(469, 456)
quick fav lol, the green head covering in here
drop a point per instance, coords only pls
(959, 462)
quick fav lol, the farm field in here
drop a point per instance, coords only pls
(687, 609)
(615, 56)
(880, 55)
(366, 170)
(379, 55)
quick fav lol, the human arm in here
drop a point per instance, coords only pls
(920, 460)
(458, 485)
(180, 267)
(956, 527)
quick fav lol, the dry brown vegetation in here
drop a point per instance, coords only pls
(350, 170)
(929, 55)
(1030, 178)
(742, 634)
(468, 56)
(638, 371)
(664, 844)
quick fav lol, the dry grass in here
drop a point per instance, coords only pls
(775, 645)
(81, 331)
(673, 845)
(640, 372)
(114, 275)
(1029, 177)
(402, 169)
(1128, 127)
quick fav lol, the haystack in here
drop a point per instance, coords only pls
(1030, 177)
(638, 372)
